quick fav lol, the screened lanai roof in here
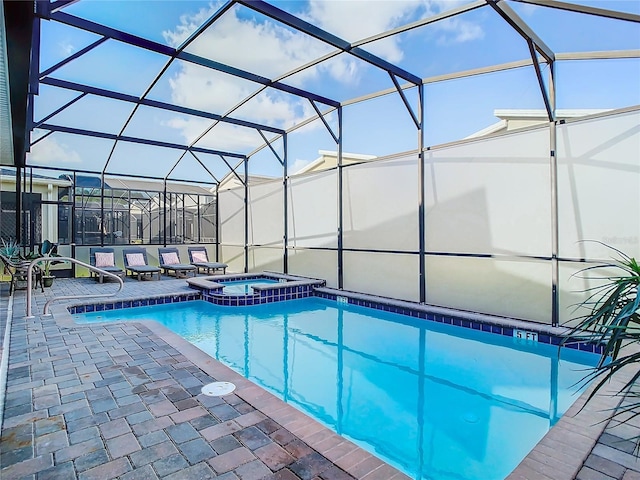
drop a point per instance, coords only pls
(187, 90)
(117, 183)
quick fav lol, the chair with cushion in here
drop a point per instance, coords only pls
(104, 259)
(170, 262)
(18, 269)
(135, 261)
(199, 258)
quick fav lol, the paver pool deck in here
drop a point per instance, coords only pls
(103, 401)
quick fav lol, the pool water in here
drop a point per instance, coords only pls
(244, 287)
(437, 401)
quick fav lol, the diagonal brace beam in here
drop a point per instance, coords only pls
(57, 111)
(271, 148)
(321, 116)
(520, 26)
(404, 99)
(204, 166)
(233, 170)
(79, 53)
(543, 90)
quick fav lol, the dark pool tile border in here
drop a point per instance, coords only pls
(303, 289)
(264, 294)
(289, 287)
(131, 303)
(486, 323)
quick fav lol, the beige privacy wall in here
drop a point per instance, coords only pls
(231, 221)
(599, 186)
(313, 225)
(381, 213)
(599, 197)
(490, 197)
(488, 218)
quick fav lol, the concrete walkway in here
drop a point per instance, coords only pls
(123, 401)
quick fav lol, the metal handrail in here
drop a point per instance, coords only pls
(67, 297)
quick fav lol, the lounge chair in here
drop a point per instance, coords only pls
(18, 269)
(170, 262)
(104, 259)
(135, 261)
(199, 258)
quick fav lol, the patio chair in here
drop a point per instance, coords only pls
(135, 261)
(18, 270)
(199, 258)
(104, 259)
(170, 262)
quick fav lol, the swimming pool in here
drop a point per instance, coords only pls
(434, 400)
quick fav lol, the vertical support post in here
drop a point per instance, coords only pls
(34, 66)
(101, 209)
(172, 229)
(129, 217)
(555, 241)
(19, 205)
(42, 10)
(198, 219)
(340, 205)
(421, 199)
(285, 201)
(32, 211)
(246, 215)
(112, 219)
(72, 198)
(217, 219)
(184, 219)
(164, 214)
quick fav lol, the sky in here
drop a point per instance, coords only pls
(246, 40)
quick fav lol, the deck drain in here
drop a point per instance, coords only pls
(218, 389)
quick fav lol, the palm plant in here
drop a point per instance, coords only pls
(612, 319)
(10, 248)
(48, 250)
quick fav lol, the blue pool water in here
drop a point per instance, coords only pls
(244, 287)
(437, 401)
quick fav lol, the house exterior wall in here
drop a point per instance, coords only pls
(48, 213)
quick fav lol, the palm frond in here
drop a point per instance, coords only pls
(612, 320)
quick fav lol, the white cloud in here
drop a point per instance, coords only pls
(66, 48)
(49, 151)
(456, 30)
(223, 136)
(271, 50)
(298, 165)
(358, 19)
(204, 89)
(355, 20)
(263, 48)
(267, 48)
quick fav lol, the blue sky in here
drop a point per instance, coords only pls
(246, 40)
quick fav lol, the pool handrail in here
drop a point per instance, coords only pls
(67, 297)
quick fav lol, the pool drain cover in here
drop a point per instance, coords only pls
(218, 389)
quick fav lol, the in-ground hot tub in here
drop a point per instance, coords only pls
(252, 288)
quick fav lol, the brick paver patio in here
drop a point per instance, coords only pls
(123, 401)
